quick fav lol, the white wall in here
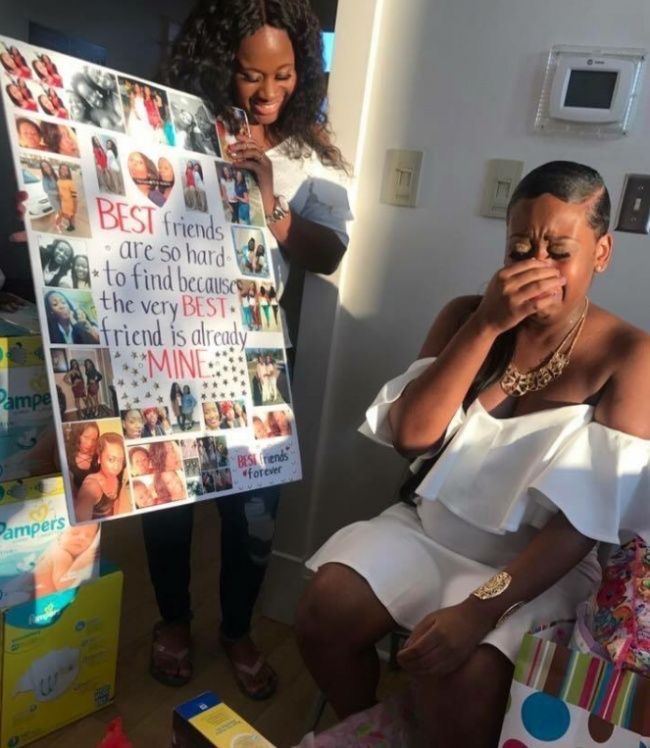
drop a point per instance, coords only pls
(459, 79)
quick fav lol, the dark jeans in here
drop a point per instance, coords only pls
(247, 527)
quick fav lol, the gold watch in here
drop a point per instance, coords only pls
(494, 586)
(281, 209)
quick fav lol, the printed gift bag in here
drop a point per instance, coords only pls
(562, 697)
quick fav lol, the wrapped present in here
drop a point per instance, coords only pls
(563, 697)
(616, 622)
(389, 724)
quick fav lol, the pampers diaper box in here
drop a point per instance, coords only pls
(206, 722)
(26, 423)
(59, 656)
(40, 553)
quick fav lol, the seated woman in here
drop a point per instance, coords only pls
(529, 412)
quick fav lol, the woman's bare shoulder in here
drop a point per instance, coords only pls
(92, 485)
(625, 401)
(622, 338)
(450, 318)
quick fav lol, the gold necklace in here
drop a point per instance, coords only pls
(516, 383)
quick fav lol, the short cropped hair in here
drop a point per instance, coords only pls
(572, 183)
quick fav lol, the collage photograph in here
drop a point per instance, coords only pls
(39, 135)
(71, 317)
(174, 470)
(56, 200)
(146, 112)
(184, 407)
(212, 452)
(250, 250)
(194, 192)
(271, 424)
(92, 96)
(224, 414)
(231, 125)
(213, 481)
(32, 81)
(84, 383)
(107, 165)
(194, 125)
(240, 195)
(64, 262)
(259, 305)
(159, 488)
(152, 177)
(267, 372)
(98, 470)
(147, 422)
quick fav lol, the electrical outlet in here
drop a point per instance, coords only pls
(634, 214)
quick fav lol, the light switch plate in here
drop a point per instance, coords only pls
(634, 213)
(501, 178)
(401, 178)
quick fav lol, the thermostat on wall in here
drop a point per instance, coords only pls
(590, 91)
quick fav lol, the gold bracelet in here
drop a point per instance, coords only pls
(507, 613)
(494, 586)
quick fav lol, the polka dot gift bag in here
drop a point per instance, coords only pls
(563, 697)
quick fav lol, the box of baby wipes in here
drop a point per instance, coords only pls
(40, 553)
(59, 656)
(206, 722)
(26, 425)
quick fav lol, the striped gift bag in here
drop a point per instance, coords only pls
(562, 697)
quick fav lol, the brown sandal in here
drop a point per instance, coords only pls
(248, 676)
(245, 676)
(172, 667)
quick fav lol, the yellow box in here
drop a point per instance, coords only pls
(26, 420)
(206, 722)
(59, 656)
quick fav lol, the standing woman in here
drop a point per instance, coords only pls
(101, 164)
(75, 379)
(243, 198)
(93, 378)
(114, 169)
(264, 56)
(51, 186)
(175, 399)
(67, 196)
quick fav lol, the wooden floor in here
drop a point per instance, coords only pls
(145, 705)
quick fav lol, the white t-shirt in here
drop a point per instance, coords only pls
(317, 193)
(229, 186)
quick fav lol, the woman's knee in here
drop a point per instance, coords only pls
(338, 606)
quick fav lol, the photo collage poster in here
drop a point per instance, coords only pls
(155, 288)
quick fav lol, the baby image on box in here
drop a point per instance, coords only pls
(65, 562)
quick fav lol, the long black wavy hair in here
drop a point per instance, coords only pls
(202, 62)
(572, 183)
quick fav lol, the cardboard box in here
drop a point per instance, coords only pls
(206, 722)
(59, 657)
(40, 553)
(26, 420)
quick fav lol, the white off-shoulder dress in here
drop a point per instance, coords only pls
(496, 483)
